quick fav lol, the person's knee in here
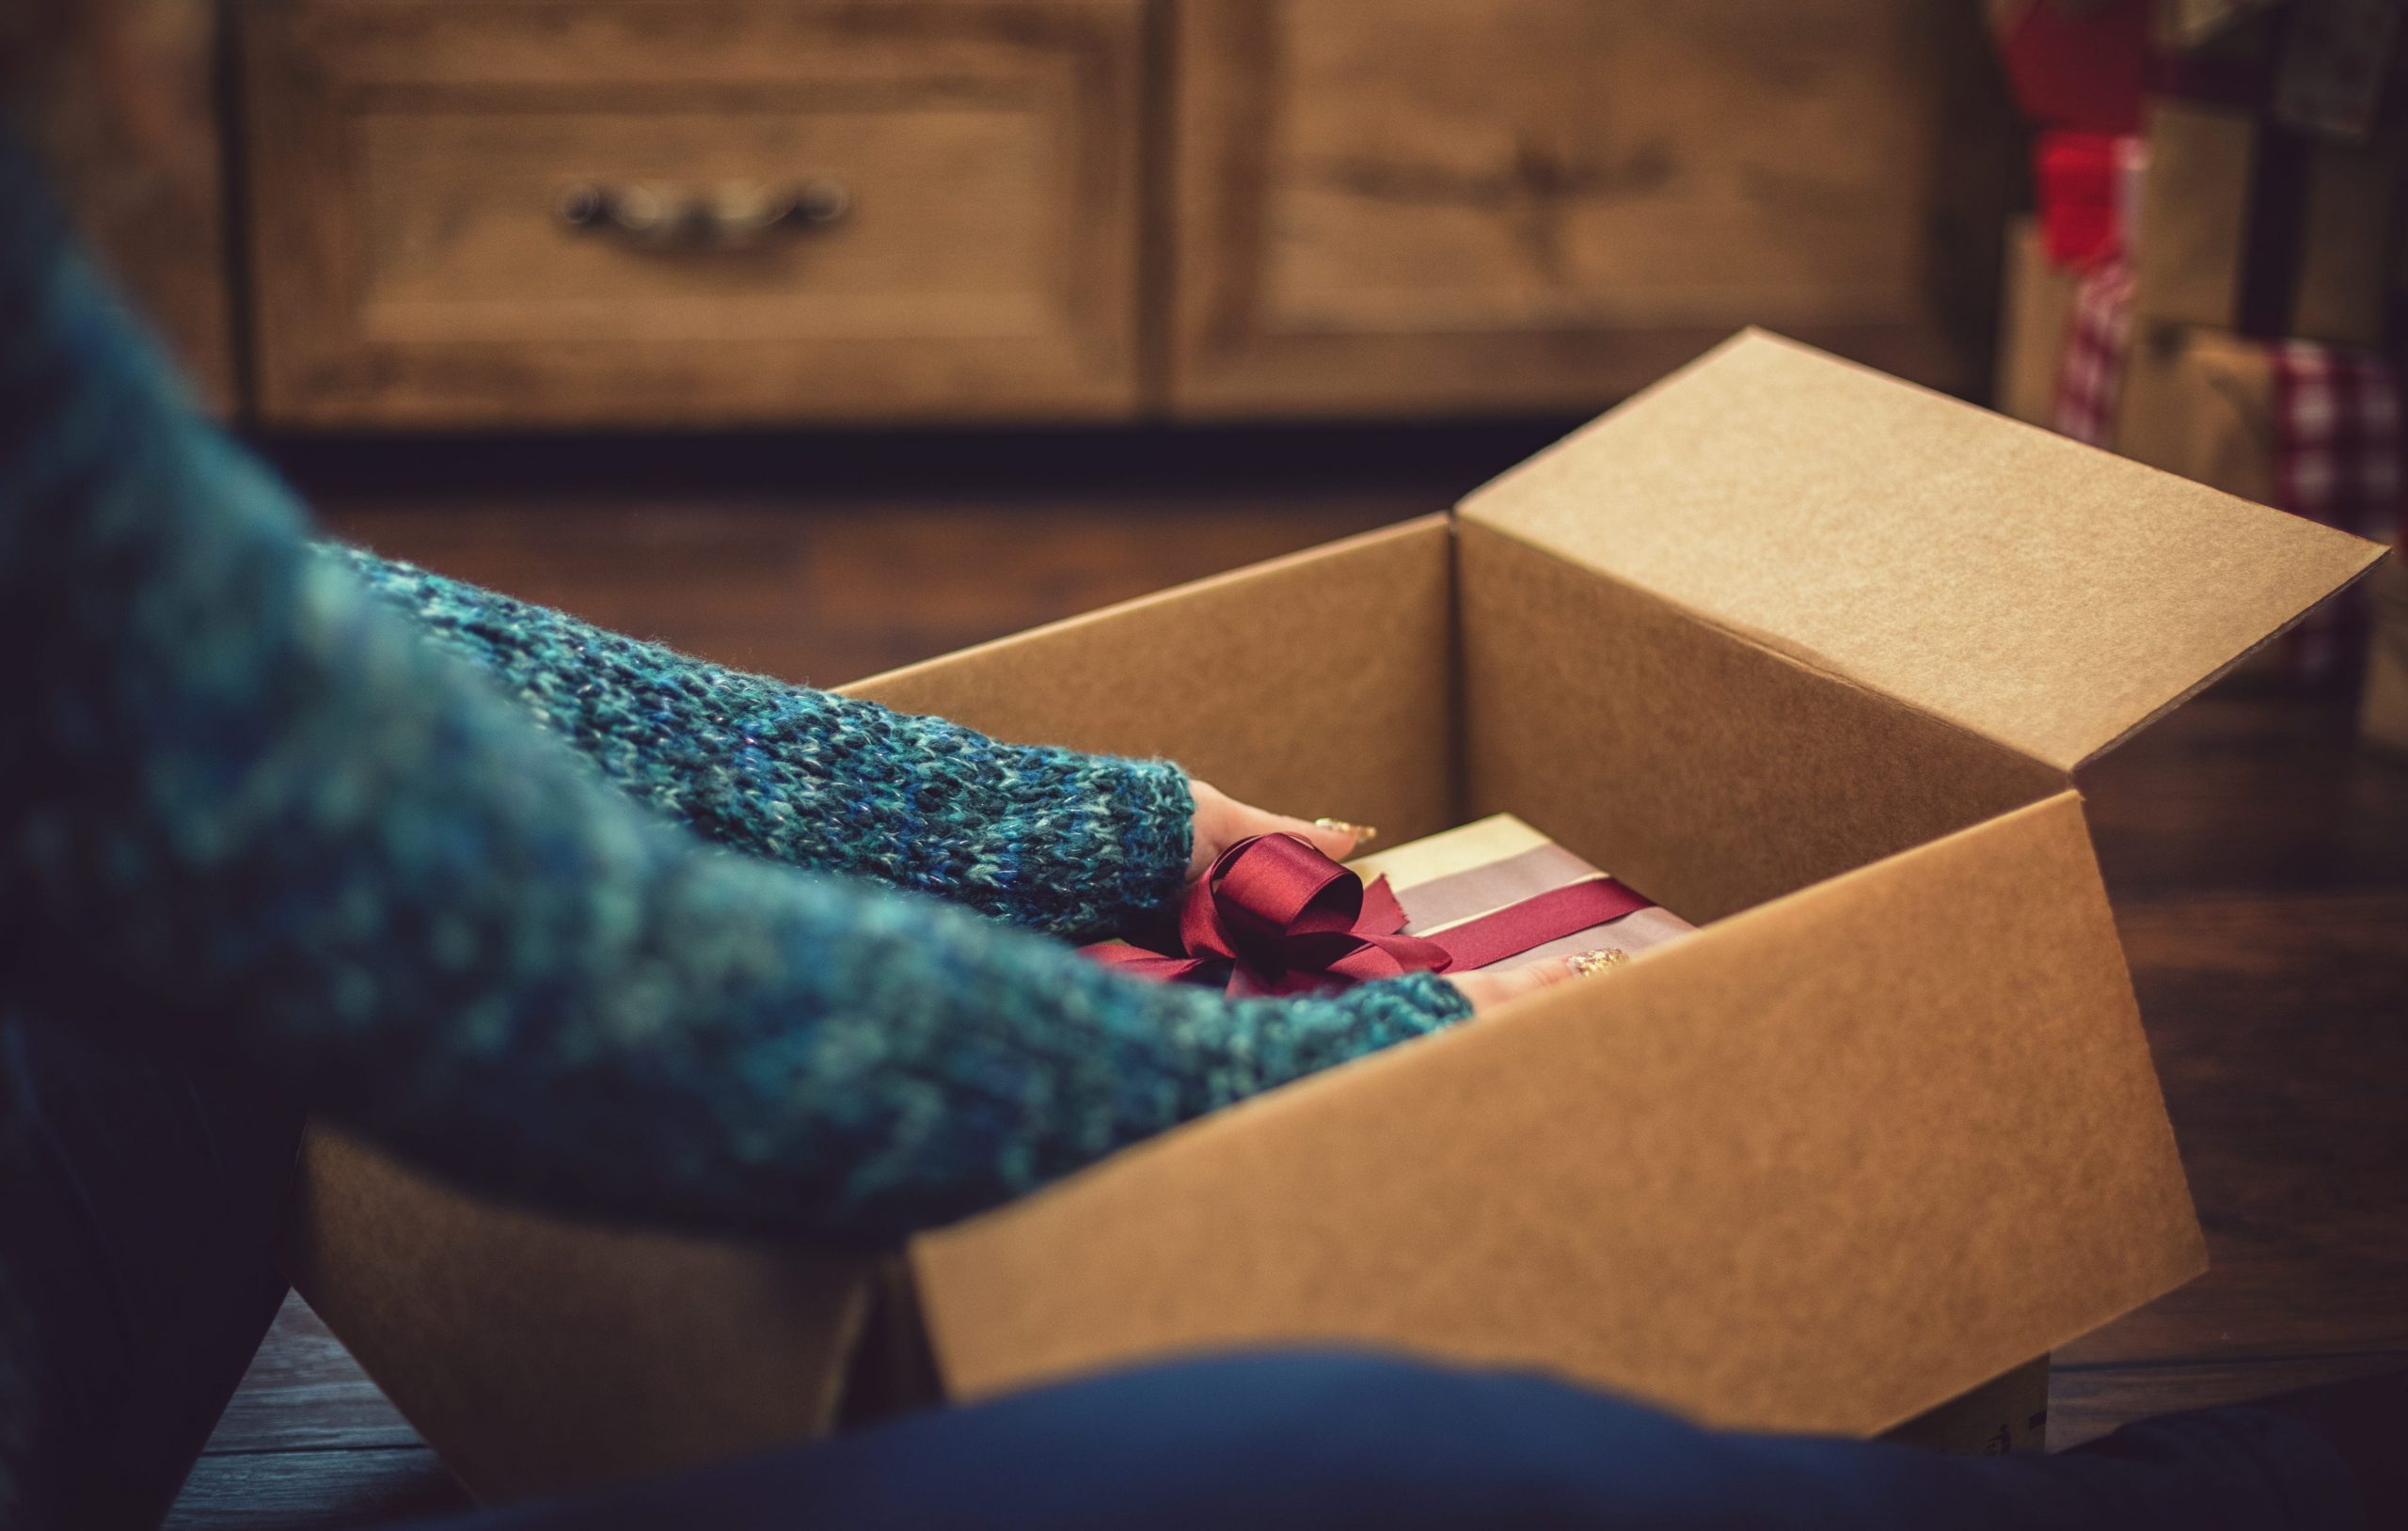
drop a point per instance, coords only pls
(1363, 1435)
(1296, 1438)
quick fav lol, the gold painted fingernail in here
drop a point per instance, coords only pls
(1587, 964)
(1363, 833)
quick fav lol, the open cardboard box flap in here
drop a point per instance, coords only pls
(2040, 592)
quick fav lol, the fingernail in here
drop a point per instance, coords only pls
(1596, 960)
(1363, 833)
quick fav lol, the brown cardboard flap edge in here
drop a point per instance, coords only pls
(1772, 1189)
(2037, 592)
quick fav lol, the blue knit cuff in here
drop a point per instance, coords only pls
(1400, 1009)
(1151, 802)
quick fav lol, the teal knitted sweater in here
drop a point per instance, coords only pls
(1068, 844)
(554, 913)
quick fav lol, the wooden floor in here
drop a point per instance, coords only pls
(2258, 860)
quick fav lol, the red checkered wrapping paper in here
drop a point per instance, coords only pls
(2335, 439)
(2336, 461)
(2090, 373)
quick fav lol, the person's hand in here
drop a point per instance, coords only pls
(1492, 986)
(1221, 821)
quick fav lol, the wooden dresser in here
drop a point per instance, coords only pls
(680, 212)
(1419, 205)
(629, 211)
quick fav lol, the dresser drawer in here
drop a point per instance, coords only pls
(1398, 206)
(692, 211)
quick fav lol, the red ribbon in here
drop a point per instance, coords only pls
(1274, 916)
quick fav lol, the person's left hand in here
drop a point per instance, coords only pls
(1221, 821)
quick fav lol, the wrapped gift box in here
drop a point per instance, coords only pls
(2203, 403)
(1274, 916)
(2308, 428)
(2230, 207)
(1495, 864)
(2039, 306)
(1810, 655)
(2074, 66)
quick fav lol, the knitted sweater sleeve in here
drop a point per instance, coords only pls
(242, 803)
(1061, 842)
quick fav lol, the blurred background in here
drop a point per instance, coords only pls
(821, 336)
(586, 296)
(583, 296)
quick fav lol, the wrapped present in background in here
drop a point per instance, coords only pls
(2088, 189)
(2034, 313)
(2067, 313)
(2092, 355)
(2259, 198)
(2271, 209)
(2310, 428)
(2075, 64)
(2247, 227)
(2383, 710)
(2077, 71)
(2337, 57)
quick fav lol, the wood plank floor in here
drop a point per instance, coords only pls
(2257, 858)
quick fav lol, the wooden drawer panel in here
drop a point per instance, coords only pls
(411, 265)
(1417, 204)
(145, 189)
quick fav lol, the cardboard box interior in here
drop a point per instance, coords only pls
(1808, 655)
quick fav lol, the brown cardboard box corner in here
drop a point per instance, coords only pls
(1807, 653)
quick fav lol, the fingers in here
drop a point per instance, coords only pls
(1488, 989)
(1221, 821)
(1212, 808)
(1334, 838)
(1493, 986)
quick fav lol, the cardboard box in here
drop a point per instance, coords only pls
(1810, 655)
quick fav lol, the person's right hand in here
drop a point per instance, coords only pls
(1492, 986)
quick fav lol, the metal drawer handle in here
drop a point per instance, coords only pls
(729, 217)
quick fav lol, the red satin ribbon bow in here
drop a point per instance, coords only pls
(1282, 918)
